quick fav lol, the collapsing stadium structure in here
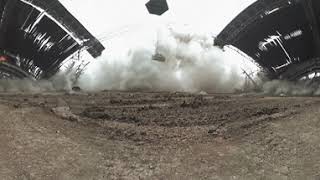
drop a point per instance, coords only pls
(281, 36)
(37, 36)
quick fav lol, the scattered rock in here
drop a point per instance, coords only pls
(143, 133)
(213, 132)
(62, 103)
(184, 104)
(284, 170)
(36, 96)
(95, 113)
(65, 113)
(115, 101)
(76, 88)
(282, 95)
(196, 102)
(267, 111)
(17, 105)
(42, 104)
(203, 93)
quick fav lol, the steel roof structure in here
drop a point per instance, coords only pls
(37, 36)
(282, 36)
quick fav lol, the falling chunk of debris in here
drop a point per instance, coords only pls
(158, 57)
(157, 7)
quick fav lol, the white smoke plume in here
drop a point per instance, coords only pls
(192, 64)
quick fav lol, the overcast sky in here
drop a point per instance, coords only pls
(123, 24)
(103, 17)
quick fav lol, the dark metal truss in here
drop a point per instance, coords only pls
(37, 36)
(282, 36)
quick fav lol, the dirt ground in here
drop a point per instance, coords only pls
(131, 135)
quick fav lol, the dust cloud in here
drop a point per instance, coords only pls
(192, 64)
(60, 82)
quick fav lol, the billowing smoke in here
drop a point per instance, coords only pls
(191, 64)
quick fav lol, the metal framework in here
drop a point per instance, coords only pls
(282, 36)
(37, 36)
(56, 10)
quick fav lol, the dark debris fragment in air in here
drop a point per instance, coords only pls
(157, 7)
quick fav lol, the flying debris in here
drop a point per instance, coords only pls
(37, 36)
(157, 7)
(158, 57)
(282, 36)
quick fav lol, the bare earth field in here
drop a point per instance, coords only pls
(127, 135)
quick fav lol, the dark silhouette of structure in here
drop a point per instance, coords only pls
(37, 36)
(282, 36)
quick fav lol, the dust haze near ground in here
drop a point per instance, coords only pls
(283, 87)
(192, 64)
(60, 82)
